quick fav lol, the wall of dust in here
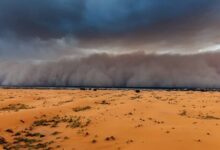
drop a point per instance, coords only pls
(125, 70)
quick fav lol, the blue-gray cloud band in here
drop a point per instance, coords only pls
(82, 18)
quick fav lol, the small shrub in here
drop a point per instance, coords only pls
(137, 91)
(2, 140)
(183, 113)
(77, 109)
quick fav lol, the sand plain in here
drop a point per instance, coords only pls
(109, 119)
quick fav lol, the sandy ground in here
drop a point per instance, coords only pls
(109, 119)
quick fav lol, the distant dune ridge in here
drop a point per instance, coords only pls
(125, 70)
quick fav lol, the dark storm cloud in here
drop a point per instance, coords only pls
(31, 28)
(57, 18)
(45, 18)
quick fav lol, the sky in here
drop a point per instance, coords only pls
(168, 43)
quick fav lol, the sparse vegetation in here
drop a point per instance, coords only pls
(29, 134)
(111, 138)
(183, 113)
(26, 141)
(71, 121)
(2, 140)
(15, 107)
(136, 97)
(66, 138)
(129, 141)
(42, 122)
(44, 130)
(55, 133)
(167, 132)
(9, 131)
(63, 102)
(210, 117)
(104, 102)
(22, 121)
(94, 141)
(77, 109)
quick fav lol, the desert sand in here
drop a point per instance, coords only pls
(109, 119)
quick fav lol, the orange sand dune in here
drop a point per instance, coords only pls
(109, 119)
